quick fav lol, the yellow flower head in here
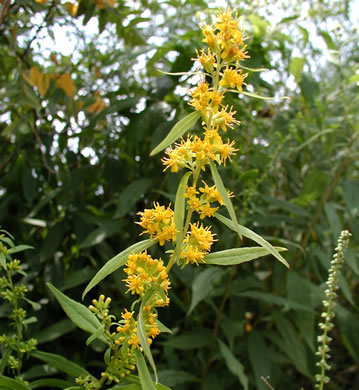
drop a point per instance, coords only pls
(196, 244)
(145, 273)
(159, 223)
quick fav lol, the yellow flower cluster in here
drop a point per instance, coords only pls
(145, 273)
(196, 244)
(221, 62)
(202, 204)
(159, 223)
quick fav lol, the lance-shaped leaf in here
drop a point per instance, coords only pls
(11, 384)
(143, 372)
(251, 94)
(141, 332)
(180, 211)
(222, 191)
(79, 314)
(233, 364)
(61, 363)
(238, 255)
(177, 131)
(116, 262)
(242, 230)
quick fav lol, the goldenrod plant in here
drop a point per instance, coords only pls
(13, 344)
(328, 313)
(182, 226)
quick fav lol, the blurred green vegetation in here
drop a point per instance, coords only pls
(75, 136)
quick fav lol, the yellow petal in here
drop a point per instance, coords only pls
(66, 83)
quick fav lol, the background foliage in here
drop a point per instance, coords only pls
(81, 108)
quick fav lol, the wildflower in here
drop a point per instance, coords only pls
(196, 244)
(159, 223)
(232, 78)
(145, 273)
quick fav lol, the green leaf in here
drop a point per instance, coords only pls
(251, 235)
(196, 338)
(11, 384)
(60, 363)
(79, 314)
(203, 285)
(20, 248)
(274, 300)
(260, 359)
(233, 364)
(3, 260)
(222, 191)
(96, 335)
(182, 73)
(49, 383)
(313, 138)
(177, 131)
(117, 262)
(142, 336)
(136, 380)
(179, 212)
(176, 377)
(163, 328)
(4, 358)
(144, 374)
(238, 255)
(296, 66)
(251, 94)
(54, 331)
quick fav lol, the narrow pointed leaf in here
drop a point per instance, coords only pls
(238, 255)
(183, 73)
(180, 211)
(253, 69)
(177, 131)
(222, 191)
(9, 383)
(142, 336)
(79, 314)
(144, 374)
(116, 262)
(60, 363)
(49, 383)
(233, 364)
(251, 235)
(251, 94)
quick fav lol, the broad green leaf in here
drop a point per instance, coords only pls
(238, 255)
(12, 384)
(142, 336)
(79, 314)
(74, 388)
(177, 131)
(116, 262)
(203, 285)
(144, 374)
(251, 235)
(60, 363)
(49, 383)
(96, 335)
(233, 364)
(222, 191)
(179, 212)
